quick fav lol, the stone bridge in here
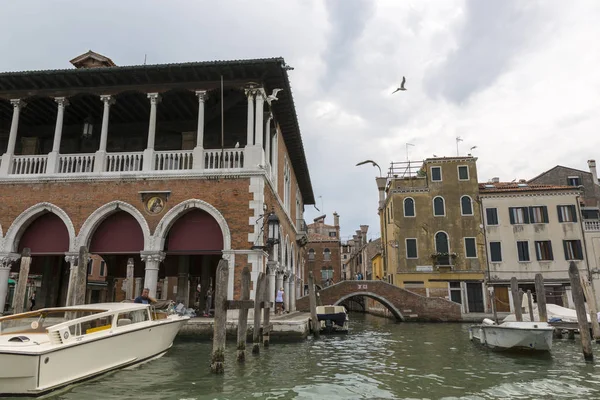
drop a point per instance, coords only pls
(403, 304)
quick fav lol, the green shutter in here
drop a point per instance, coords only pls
(566, 249)
(510, 213)
(560, 218)
(545, 214)
(574, 212)
(579, 249)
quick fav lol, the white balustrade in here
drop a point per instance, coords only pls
(76, 163)
(173, 160)
(221, 159)
(593, 226)
(28, 165)
(124, 162)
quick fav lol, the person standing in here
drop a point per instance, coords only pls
(279, 301)
(32, 300)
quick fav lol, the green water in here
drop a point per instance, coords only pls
(379, 359)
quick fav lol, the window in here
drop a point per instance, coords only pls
(466, 206)
(455, 292)
(573, 181)
(518, 215)
(409, 207)
(573, 250)
(463, 173)
(470, 248)
(411, 248)
(311, 254)
(491, 216)
(543, 250)
(567, 213)
(90, 266)
(590, 213)
(436, 174)
(523, 250)
(439, 209)
(326, 273)
(326, 255)
(538, 215)
(102, 268)
(495, 251)
(332, 234)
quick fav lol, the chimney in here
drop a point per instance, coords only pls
(495, 180)
(381, 182)
(336, 219)
(592, 166)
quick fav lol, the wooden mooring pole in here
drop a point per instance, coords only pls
(514, 289)
(266, 329)
(493, 299)
(217, 359)
(591, 301)
(313, 305)
(256, 335)
(81, 276)
(530, 304)
(242, 332)
(540, 292)
(21, 289)
(584, 329)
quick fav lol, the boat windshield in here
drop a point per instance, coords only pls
(39, 321)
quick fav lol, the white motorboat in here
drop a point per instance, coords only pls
(47, 349)
(513, 335)
(333, 319)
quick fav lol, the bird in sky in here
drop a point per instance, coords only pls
(372, 162)
(401, 85)
(273, 95)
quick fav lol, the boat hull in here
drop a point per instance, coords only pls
(36, 374)
(500, 337)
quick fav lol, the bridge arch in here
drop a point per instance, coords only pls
(397, 314)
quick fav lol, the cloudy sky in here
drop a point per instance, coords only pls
(518, 79)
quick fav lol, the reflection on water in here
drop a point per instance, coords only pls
(379, 359)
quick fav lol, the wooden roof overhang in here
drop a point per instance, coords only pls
(269, 72)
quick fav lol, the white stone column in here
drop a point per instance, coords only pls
(53, 156)
(268, 138)
(129, 280)
(153, 261)
(149, 152)
(199, 149)
(17, 104)
(100, 158)
(250, 128)
(165, 289)
(293, 293)
(5, 263)
(71, 258)
(286, 291)
(271, 283)
(260, 112)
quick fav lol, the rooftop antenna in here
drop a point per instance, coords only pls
(145, 56)
(458, 140)
(407, 160)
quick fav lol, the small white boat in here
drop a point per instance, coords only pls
(333, 319)
(47, 349)
(513, 335)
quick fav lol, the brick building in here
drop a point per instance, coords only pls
(323, 250)
(171, 167)
(432, 242)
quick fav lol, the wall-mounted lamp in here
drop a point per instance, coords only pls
(273, 223)
(88, 128)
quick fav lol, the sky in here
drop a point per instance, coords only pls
(518, 79)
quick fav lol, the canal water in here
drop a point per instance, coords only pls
(379, 359)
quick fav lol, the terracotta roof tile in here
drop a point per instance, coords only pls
(497, 187)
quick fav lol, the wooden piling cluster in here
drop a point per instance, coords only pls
(260, 304)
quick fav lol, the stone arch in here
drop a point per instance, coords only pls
(95, 219)
(13, 234)
(173, 215)
(377, 297)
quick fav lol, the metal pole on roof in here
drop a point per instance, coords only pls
(222, 126)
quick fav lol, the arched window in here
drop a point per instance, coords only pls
(311, 254)
(326, 255)
(439, 208)
(409, 207)
(442, 248)
(466, 205)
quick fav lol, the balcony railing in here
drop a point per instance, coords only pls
(29, 165)
(591, 226)
(143, 162)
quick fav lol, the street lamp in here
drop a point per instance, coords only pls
(273, 229)
(88, 128)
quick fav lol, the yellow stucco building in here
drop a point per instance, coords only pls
(432, 240)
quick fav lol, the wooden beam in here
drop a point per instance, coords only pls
(541, 297)
(584, 330)
(242, 332)
(217, 360)
(241, 304)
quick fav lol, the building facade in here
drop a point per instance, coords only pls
(530, 229)
(172, 167)
(323, 251)
(432, 242)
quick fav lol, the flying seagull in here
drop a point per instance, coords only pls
(401, 85)
(372, 162)
(273, 95)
